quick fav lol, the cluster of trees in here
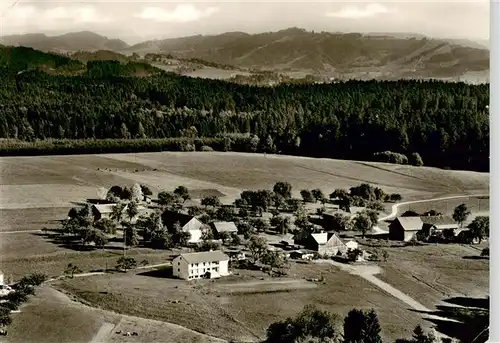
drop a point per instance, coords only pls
(315, 325)
(447, 124)
(22, 290)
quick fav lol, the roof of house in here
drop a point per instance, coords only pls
(104, 208)
(410, 223)
(320, 238)
(438, 220)
(225, 227)
(204, 256)
(171, 217)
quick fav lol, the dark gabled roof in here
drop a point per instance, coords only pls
(410, 223)
(205, 256)
(437, 220)
(169, 218)
(225, 227)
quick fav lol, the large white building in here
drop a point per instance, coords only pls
(207, 264)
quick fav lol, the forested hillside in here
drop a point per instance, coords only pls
(446, 123)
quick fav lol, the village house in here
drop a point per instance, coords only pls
(188, 224)
(226, 227)
(207, 264)
(438, 224)
(405, 228)
(324, 243)
(104, 211)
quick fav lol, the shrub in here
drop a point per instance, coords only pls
(390, 157)
(416, 160)
(188, 147)
(206, 148)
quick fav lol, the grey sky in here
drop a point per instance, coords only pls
(139, 20)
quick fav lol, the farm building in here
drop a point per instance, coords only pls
(227, 227)
(438, 223)
(324, 243)
(2, 280)
(207, 264)
(405, 228)
(301, 255)
(102, 211)
(188, 224)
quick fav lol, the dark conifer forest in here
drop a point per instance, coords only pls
(138, 108)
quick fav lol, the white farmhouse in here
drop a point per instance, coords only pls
(188, 224)
(207, 264)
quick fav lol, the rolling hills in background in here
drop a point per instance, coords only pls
(293, 53)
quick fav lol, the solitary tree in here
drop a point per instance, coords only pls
(183, 193)
(318, 195)
(281, 223)
(5, 318)
(276, 261)
(106, 225)
(136, 193)
(306, 195)
(166, 198)
(362, 327)
(284, 189)
(212, 201)
(460, 214)
(321, 326)
(257, 247)
(362, 223)
(146, 190)
(130, 237)
(71, 270)
(117, 212)
(132, 210)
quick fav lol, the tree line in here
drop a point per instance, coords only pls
(446, 124)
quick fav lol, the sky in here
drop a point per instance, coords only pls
(135, 21)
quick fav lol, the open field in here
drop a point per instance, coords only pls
(23, 254)
(75, 322)
(432, 273)
(31, 218)
(207, 306)
(477, 205)
(57, 181)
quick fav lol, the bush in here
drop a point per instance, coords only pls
(416, 159)
(188, 147)
(390, 157)
(206, 148)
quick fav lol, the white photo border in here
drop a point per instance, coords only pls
(494, 332)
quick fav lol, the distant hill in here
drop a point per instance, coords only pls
(69, 42)
(24, 58)
(293, 52)
(99, 55)
(379, 55)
